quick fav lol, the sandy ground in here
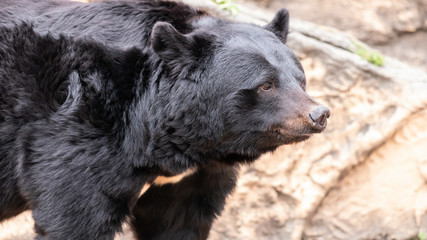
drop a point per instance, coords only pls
(21, 228)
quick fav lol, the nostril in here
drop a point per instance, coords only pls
(318, 117)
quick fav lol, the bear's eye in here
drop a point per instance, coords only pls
(266, 86)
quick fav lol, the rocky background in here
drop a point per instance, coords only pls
(365, 177)
(398, 28)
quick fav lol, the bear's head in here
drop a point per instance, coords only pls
(237, 90)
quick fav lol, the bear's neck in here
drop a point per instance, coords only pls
(148, 142)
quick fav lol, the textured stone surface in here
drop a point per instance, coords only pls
(373, 21)
(385, 195)
(365, 177)
(398, 28)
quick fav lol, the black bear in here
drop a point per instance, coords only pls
(104, 105)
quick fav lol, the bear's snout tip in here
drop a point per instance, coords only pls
(318, 117)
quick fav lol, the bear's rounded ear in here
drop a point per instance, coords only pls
(169, 43)
(280, 24)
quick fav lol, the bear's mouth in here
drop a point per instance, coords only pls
(294, 133)
(287, 136)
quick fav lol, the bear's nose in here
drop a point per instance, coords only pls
(318, 117)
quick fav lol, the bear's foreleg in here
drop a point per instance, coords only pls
(185, 210)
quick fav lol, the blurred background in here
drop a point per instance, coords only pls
(365, 177)
(397, 28)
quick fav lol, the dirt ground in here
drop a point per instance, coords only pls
(21, 228)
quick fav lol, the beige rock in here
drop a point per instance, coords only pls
(18, 228)
(356, 181)
(373, 21)
(384, 195)
(395, 27)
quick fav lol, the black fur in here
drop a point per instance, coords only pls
(98, 99)
(185, 210)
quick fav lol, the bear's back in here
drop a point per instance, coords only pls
(31, 83)
(112, 23)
